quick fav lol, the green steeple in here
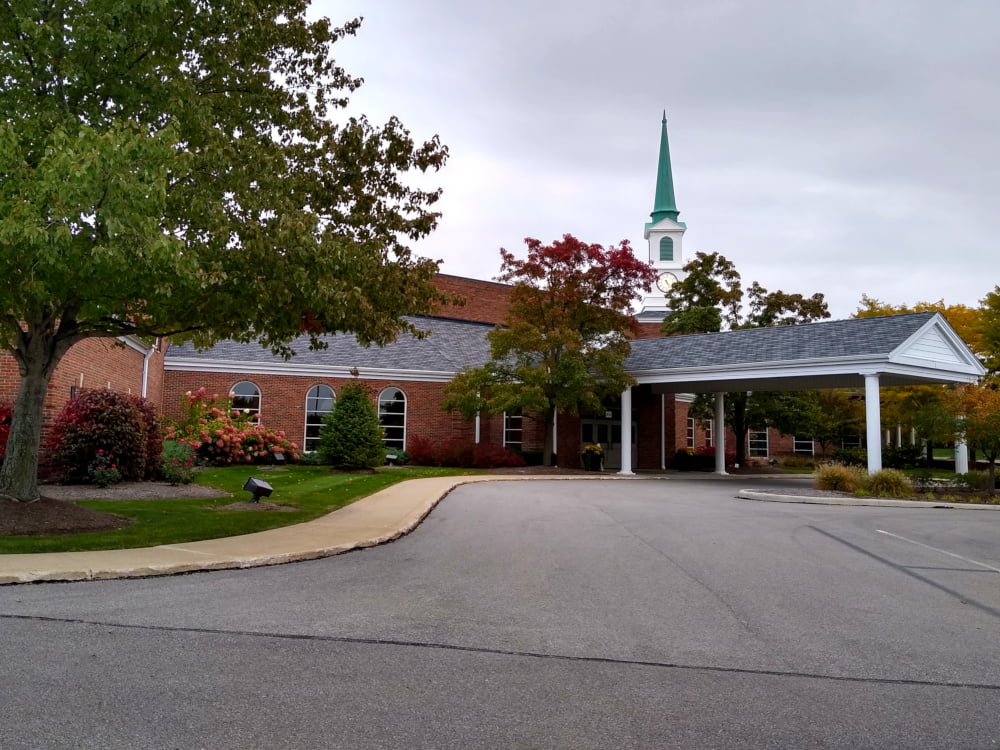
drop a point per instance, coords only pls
(664, 205)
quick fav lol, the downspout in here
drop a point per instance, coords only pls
(145, 367)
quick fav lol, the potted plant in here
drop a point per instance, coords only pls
(592, 457)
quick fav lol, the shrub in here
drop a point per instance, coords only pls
(901, 457)
(97, 422)
(221, 435)
(421, 451)
(851, 457)
(397, 456)
(888, 483)
(351, 437)
(6, 415)
(179, 463)
(974, 480)
(797, 461)
(103, 471)
(839, 477)
(461, 454)
(153, 435)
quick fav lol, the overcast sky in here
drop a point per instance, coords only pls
(842, 147)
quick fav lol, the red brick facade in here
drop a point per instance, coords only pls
(93, 363)
(485, 301)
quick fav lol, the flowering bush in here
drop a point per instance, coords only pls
(103, 471)
(179, 464)
(222, 435)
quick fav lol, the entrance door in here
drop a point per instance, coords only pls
(607, 432)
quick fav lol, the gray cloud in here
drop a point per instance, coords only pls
(847, 147)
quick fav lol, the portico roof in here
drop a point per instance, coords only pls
(904, 349)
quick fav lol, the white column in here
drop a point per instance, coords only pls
(627, 432)
(873, 427)
(719, 433)
(961, 456)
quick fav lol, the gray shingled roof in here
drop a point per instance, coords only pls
(837, 338)
(452, 345)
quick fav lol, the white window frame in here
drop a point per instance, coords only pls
(754, 443)
(309, 442)
(690, 433)
(803, 446)
(513, 424)
(254, 410)
(392, 441)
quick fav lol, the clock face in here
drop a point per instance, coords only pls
(665, 280)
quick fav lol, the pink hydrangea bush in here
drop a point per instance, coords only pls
(222, 435)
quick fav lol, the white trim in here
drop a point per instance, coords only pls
(306, 371)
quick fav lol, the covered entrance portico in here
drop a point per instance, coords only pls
(868, 353)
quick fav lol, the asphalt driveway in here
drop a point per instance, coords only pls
(649, 613)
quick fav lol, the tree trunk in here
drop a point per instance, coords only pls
(19, 475)
(38, 353)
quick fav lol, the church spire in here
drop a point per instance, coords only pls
(664, 204)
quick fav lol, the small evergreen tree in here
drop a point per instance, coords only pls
(351, 437)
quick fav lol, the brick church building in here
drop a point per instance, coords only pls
(407, 377)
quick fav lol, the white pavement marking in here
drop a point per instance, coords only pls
(942, 551)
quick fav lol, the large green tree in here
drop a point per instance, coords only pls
(711, 298)
(563, 343)
(175, 167)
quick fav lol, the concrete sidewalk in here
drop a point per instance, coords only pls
(379, 518)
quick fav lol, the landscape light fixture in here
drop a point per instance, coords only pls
(258, 488)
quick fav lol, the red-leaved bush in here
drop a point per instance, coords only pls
(423, 452)
(6, 414)
(99, 422)
(222, 435)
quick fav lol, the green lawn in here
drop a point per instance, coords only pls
(313, 490)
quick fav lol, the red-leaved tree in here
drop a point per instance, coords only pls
(563, 344)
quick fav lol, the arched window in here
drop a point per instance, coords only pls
(246, 397)
(392, 417)
(666, 248)
(319, 403)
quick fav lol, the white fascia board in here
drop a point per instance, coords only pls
(133, 343)
(305, 371)
(780, 369)
(663, 225)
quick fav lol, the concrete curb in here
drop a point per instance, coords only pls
(881, 502)
(377, 519)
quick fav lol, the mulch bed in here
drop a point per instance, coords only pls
(48, 516)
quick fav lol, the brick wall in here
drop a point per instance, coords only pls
(485, 301)
(283, 400)
(91, 363)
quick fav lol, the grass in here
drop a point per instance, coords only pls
(313, 490)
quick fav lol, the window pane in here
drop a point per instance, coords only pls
(246, 397)
(319, 403)
(392, 417)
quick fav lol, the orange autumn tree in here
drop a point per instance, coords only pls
(979, 408)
